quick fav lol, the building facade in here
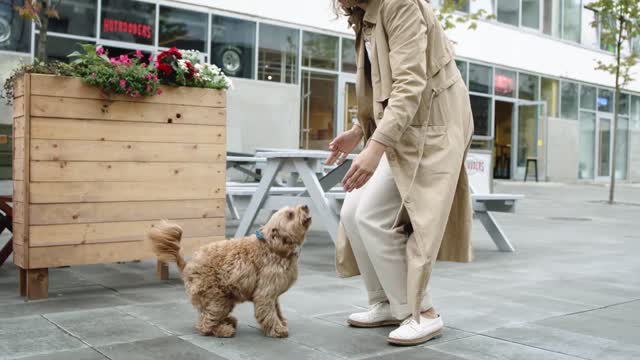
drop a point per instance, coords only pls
(530, 71)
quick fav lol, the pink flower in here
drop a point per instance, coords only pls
(129, 90)
(159, 92)
(144, 65)
(100, 51)
(136, 94)
(148, 88)
(139, 54)
(123, 83)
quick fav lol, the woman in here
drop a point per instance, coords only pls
(407, 190)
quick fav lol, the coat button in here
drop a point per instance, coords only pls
(380, 115)
(391, 156)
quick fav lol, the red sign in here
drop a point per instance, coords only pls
(117, 26)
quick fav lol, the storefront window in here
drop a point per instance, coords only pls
(128, 21)
(590, 34)
(569, 98)
(623, 105)
(59, 48)
(462, 67)
(550, 92)
(605, 100)
(15, 33)
(505, 83)
(76, 17)
(349, 55)
(528, 87)
(233, 46)
(635, 113)
(183, 29)
(588, 97)
(551, 19)
(587, 145)
(480, 78)
(571, 20)
(481, 109)
(508, 12)
(531, 14)
(278, 54)
(622, 147)
(462, 5)
(320, 51)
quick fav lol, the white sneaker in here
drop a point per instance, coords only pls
(412, 333)
(378, 315)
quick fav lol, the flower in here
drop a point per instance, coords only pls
(164, 68)
(139, 54)
(192, 70)
(129, 90)
(159, 92)
(123, 83)
(100, 51)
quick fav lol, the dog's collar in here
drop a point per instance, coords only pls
(260, 235)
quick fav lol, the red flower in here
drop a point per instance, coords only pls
(129, 90)
(192, 70)
(159, 92)
(174, 51)
(123, 83)
(164, 68)
(100, 51)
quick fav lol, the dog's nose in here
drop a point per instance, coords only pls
(305, 208)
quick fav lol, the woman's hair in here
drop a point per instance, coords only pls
(351, 10)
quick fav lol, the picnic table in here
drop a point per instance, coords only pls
(246, 164)
(300, 165)
(6, 222)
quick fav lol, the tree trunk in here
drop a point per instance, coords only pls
(42, 39)
(612, 187)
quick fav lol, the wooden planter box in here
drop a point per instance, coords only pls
(91, 175)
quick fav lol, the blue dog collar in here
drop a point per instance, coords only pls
(260, 235)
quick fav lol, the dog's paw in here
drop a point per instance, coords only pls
(284, 322)
(279, 332)
(224, 331)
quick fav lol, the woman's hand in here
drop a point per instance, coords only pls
(363, 166)
(343, 145)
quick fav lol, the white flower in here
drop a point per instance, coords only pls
(183, 65)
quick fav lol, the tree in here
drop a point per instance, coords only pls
(40, 11)
(619, 24)
(457, 12)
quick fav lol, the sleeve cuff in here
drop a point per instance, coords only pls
(382, 138)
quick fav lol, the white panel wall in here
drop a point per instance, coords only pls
(563, 150)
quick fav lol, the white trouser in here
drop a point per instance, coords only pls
(368, 216)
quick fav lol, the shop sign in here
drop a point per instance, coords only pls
(118, 26)
(478, 166)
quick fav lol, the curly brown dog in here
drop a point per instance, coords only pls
(257, 268)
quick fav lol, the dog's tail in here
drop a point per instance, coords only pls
(165, 241)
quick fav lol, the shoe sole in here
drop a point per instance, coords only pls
(414, 342)
(375, 324)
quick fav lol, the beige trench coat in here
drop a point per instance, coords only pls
(413, 90)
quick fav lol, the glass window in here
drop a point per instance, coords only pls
(480, 78)
(462, 5)
(635, 113)
(623, 104)
(590, 36)
(505, 83)
(128, 20)
(571, 20)
(587, 145)
(9, 62)
(183, 29)
(15, 33)
(531, 13)
(587, 97)
(605, 100)
(481, 109)
(320, 51)
(622, 147)
(278, 54)
(550, 92)
(462, 67)
(509, 12)
(551, 17)
(528, 87)
(233, 46)
(349, 55)
(569, 98)
(58, 48)
(318, 110)
(77, 17)
(606, 42)
(486, 5)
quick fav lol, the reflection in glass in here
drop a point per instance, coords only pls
(481, 109)
(571, 20)
(550, 92)
(635, 113)
(505, 83)
(588, 97)
(58, 48)
(349, 56)
(569, 105)
(183, 29)
(76, 17)
(604, 146)
(128, 21)
(15, 33)
(622, 147)
(623, 104)
(527, 134)
(508, 12)
(480, 78)
(318, 110)
(531, 13)
(551, 17)
(233, 46)
(462, 67)
(587, 145)
(320, 51)
(278, 54)
(605, 100)
(528, 87)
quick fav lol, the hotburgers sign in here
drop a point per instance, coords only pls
(126, 27)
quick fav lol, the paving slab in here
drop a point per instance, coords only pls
(82, 354)
(164, 348)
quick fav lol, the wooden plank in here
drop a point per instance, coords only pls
(18, 127)
(79, 150)
(77, 234)
(18, 87)
(18, 190)
(18, 255)
(49, 85)
(18, 107)
(105, 253)
(71, 108)
(82, 213)
(37, 284)
(18, 169)
(101, 130)
(50, 193)
(22, 282)
(18, 212)
(63, 171)
(18, 148)
(18, 233)
(25, 199)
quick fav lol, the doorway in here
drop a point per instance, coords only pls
(604, 141)
(504, 115)
(319, 110)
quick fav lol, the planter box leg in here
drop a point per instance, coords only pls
(23, 282)
(37, 284)
(162, 271)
